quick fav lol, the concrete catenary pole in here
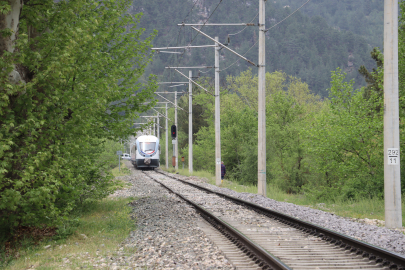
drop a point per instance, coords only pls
(167, 141)
(177, 129)
(392, 174)
(190, 123)
(261, 164)
(158, 126)
(217, 119)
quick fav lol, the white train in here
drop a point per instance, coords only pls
(145, 153)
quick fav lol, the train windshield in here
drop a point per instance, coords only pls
(147, 146)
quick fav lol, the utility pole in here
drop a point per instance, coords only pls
(176, 147)
(217, 45)
(190, 112)
(261, 164)
(158, 126)
(190, 122)
(392, 173)
(217, 118)
(167, 141)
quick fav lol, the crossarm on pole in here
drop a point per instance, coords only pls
(195, 82)
(161, 114)
(223, 46)
(171, 102)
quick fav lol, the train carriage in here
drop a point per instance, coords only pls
(146, 152)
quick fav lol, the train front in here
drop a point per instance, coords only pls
(147, 152)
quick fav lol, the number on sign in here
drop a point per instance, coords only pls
(392, 161)
(393, 152)
(393, 156)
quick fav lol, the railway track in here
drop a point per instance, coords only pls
(253, 237)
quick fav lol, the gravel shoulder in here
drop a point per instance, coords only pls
(168, 236)
(364, 230)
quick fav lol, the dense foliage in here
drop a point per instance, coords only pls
(325, 148)
(79, 63)
(304, 46)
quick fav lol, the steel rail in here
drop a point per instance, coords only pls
(378, 254)
(263, 258)
(217, 24)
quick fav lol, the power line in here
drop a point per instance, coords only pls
(183, 21)
(244, 28)
(220, 1)
(266, 31)
(286, 17)
(170, 42)
(181, 56)
(190, 10)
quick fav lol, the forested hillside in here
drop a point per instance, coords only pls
(326, 148)
(306, 45)
(362, 17)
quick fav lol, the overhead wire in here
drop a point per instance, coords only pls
(178, 35)
(245, 26)
(220, 1)
(183, 21)
(286, 17)
(234, 35)
(181, 56)
(265, 32)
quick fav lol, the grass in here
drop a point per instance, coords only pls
(359, 209)
(121, 171)
(101, 227)
(91, 234)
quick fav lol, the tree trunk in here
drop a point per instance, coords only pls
(11, 21)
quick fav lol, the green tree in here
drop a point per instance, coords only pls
(374, 78)
(69, 80)
(346, 142)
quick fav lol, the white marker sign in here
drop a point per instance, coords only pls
(393, 156)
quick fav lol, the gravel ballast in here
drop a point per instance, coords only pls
(167, 234)
(168, 237)
(389, 239)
